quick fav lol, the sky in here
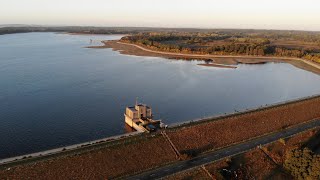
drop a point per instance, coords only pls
(246, 14)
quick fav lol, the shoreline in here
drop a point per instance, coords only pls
(72, 157)
(136, 50)
(89, 34)
(218, 65)
(55, 151)
(186, 124)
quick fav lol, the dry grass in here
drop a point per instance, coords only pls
(255, 164)
(214, 168)
(99, 164)
(190, 174)
(217, 134)
(277, 150)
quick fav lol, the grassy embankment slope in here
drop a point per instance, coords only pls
(139, 153)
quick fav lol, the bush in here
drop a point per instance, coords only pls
(303, 164)
(282, 141)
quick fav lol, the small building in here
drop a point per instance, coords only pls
(140, 118)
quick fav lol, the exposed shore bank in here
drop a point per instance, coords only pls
(136, 50)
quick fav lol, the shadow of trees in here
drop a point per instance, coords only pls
(191, 153)
(313, 143)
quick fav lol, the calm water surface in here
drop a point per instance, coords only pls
(54, 92)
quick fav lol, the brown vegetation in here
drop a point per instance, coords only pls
(216, 167)
(277, 150)
(258, 165)
(190, 174)
(216, 134)
(104, 163)
(251, 165)
(303, 164)
(267, 163)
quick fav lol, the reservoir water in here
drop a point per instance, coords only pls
(54, 92)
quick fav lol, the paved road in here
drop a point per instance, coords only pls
(223, 153)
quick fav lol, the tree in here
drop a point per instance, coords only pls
(303, 164)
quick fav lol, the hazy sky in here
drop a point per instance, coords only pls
(267, 14)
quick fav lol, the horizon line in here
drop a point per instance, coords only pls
(150, 27)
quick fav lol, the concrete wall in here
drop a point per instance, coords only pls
(144, 111)
(132, 124)
(131, 113)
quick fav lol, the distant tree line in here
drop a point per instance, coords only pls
(203, 41)
(219, 44)
(72, 29)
